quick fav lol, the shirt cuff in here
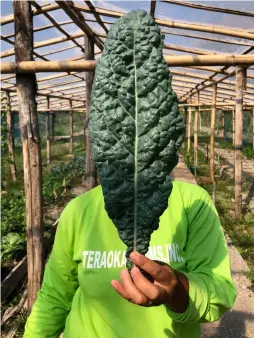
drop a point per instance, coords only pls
(198, 301)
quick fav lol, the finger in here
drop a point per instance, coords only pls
(136, 296)
(154, 292)
(157, 271)
(120, 289)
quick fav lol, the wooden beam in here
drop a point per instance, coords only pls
(206, 38)
(179, 24)
(189, 129)
(192, 50)
(10, 18)
(240, 84)
(10, 137)
(89, 65)
(253, 128)
(233, 126)
(45, 43)
(78, 19)
(71, 128)
(57, 26)
(97, 16)
(196, 138)
(212, 133)
(152, 8)
(26, 91)
(48, 133)
(209, 8)
(91, 174)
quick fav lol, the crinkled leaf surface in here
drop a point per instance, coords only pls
(135, 128)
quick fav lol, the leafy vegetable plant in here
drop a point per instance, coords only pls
(135, 128)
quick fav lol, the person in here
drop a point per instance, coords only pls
(83, 295)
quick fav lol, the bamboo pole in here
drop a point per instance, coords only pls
(189, 130)
(89, 65)
(240, 84)
(233, 126)
(10, 137)
(223, 124)
(78, 19)
(91, 174)
(178, 24)
(253, 127)
(31, 149)
(195, 36)
(71, 128)
(48, 133)
(52, 138)
(209, 8)
(45, 43)
(222, 104)
(57, 26)
(212, 133)
(196, 139)
(97, 17)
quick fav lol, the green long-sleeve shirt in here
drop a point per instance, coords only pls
(76, 295)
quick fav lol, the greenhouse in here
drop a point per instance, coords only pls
(62, 74)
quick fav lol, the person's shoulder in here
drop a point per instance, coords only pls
(81, 202)
(190, 191)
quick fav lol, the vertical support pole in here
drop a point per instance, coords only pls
(91, 174)
(253, 127)
(212, 132)
(48, 133)
(26, 93)
(52, 137)
(10, 137)
(240, 84)
(222, 124)
(196, 138)
(71, 127)
(233, 126)
(189, 130)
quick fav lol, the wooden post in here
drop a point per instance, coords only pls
(48, 133)
(240, 84)
(196, 138)
(71, 128)
(189, 130)
(223, 124)
(10, 137)
(52, 126)
(233, 126)
(253, 127)
(212, 132)
(26, 92)
(91, 174)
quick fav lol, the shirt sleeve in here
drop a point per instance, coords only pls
(211, 289)
(47, 319)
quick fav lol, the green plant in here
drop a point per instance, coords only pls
(135, 128)
(12, 245)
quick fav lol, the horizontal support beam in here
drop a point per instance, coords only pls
(178, 24)
(173, 61)
(209, 8)
(251, 104)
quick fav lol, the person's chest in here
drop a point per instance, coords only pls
(101, 254)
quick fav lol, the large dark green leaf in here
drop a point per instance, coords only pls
(135, 128)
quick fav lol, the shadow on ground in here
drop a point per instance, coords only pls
(232, 325)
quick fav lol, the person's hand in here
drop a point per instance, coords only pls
(167, 286)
